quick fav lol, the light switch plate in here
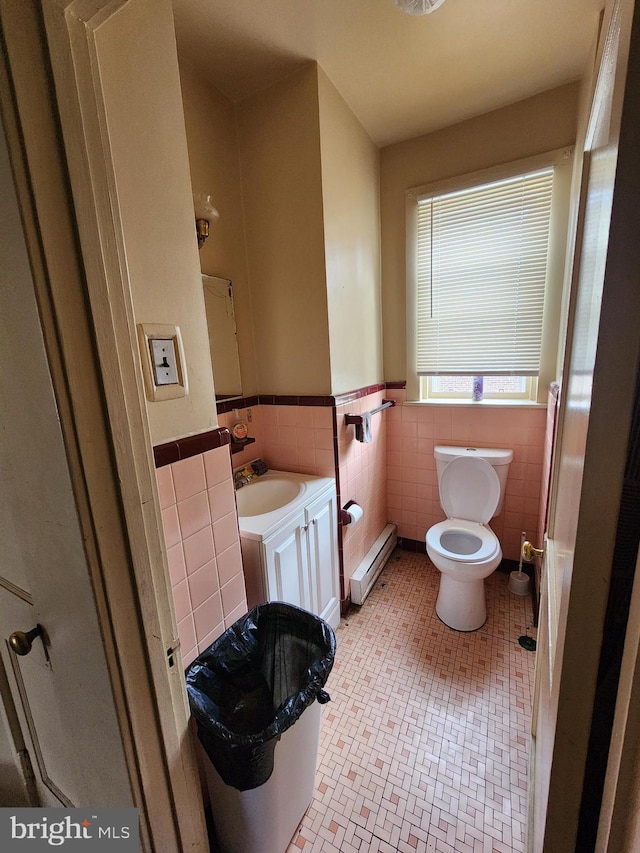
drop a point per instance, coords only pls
(163, 360)
(163, 364)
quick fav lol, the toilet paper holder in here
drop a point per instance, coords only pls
(345, 517)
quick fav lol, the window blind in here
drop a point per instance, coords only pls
(481, 269)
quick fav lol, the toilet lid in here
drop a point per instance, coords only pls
(469, 489)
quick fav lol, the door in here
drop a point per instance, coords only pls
(596, 403)
(58, 720)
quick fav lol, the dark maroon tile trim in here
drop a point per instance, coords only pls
(192, 445)
(286, 400)
(412, 545)
(350, 396)
(315, 401)
(295, 400)
(166, 454)
(302, 400)
(402, 383)
(239, 403)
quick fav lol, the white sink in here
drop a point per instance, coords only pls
(266, 495)
(288, 537)
(268, 501)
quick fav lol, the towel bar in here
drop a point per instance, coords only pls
(357, 419)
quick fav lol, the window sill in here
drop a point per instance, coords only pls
(470, 404)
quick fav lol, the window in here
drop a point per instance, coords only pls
(493, 387)
(479, 291)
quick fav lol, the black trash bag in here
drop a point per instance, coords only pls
(253, 683)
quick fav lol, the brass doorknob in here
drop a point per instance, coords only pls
(529, 552)
(22, 643)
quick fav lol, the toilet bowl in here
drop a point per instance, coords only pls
(463, 548)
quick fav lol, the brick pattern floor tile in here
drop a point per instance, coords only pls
(424, 745)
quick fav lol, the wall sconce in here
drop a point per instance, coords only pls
(206, 213)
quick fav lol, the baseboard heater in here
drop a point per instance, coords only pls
(366, 574)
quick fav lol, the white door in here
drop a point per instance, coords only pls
(57, 702)
(597, 394)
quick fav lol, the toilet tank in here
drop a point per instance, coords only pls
(498, 458)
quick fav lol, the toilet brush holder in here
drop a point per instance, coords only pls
(519, 583)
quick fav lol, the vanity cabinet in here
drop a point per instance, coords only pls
(299, 562)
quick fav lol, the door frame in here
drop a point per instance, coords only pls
(583, 588)
(74, 241)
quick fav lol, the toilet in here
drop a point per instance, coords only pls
(463, 548)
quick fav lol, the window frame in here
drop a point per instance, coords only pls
(428, 395)
(561, 160)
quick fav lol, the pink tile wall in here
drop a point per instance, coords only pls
(412, 485)
(200, 524)
(289, 438)
(299, 438)
(362, 479)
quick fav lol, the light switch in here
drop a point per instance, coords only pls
(163, 357)
(163, 363)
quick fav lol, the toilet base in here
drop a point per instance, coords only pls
(461, 604)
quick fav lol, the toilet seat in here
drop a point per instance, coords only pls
(486, 550)
(469, 489)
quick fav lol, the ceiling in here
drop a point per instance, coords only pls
(401, 75)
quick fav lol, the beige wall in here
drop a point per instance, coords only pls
(282, 189)
(310, 190)
(533, 126)
(214, 160)
(350, 196)
(148, 143)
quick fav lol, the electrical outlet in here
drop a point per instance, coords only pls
(249, 418)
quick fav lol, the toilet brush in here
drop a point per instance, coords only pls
(519, 581)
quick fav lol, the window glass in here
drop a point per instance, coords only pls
(493, 387)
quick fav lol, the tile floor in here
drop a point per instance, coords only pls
(424, 745)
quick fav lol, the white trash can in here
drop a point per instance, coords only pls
(255, 697)
(264, 819)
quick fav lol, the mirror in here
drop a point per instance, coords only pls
(223, 340)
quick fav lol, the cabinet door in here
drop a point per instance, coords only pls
(287, 565)
(323, 558)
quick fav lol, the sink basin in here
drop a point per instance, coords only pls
(271, 500)
(267, 494)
